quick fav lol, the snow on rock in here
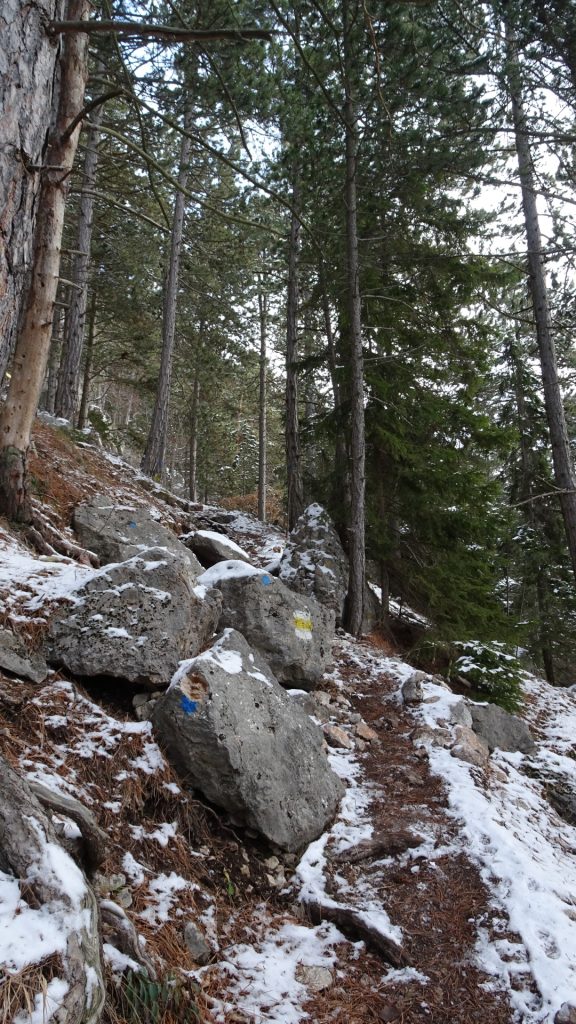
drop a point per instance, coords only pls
(116, 531)
(141, 617)
(211, 547)
(291, 632)
(314, 562)
(232, 731)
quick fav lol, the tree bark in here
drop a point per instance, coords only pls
(262, 410)
(292, 428)
(564, 475)
(69, 375)
(48, 398)
(154, 458)
(29, 850)
(88, 359)
(33, 343)
(354, 611)
(28, 87)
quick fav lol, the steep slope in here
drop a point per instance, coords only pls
(442, 892)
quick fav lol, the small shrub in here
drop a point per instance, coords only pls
(490, 670)
(170, 1000)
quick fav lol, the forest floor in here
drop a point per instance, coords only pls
(466, 877)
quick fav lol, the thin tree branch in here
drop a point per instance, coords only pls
(189, 195)
(165, 33)
(96, 102)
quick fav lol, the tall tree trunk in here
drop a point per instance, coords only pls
(33, 343)
(48, 397)
(564, 475)
(193, 464)
(292, 429)
(69, 375)
(262, 431)
(28, 94)
(88, 359)
(526, 496)
(341, 489)
(356, 581)
(154, 457)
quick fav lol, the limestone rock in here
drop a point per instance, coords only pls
(231, 730)
(427, 734)
(412, 691)
(500, 729)
(16, 657)
(337, 737)
(314, 562)
(135, 620)
(211, 547)
(460, 714)
(365, 732)
(117, 532)
(566, 1014)
(469, 747)
(196, 943)
(293, 633)
(315, 977)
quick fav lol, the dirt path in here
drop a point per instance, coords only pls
(436, 897)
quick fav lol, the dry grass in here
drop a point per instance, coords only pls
(19, 990)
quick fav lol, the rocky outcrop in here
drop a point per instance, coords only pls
(292, 632)
(211, 547)
(314, 562)
(116, 532)
(499, 729)
(230, 728)
(17, 658)
(135, 620)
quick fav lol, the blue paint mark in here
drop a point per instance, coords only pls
(189, 707)
(132, 525)
(266, 580)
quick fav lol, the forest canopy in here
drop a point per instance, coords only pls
(282, 252)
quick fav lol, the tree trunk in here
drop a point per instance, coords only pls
(356, 581)
(48, 397)
(85, 399)
(262, 432)
(526, 495)
(33, 343)
(154, 457)
(30, 851)
(292, 429)
(28, 92)
(341, 489)
(193, 478)
(564, 476)
(69, 375)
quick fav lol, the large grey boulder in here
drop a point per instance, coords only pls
(501, 729)
(314, 562)
(292, 632)
(116, 532)
(135, 620)
(211, 547)
(17, 657)
(232, 731)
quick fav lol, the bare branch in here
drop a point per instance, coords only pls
(165, 33)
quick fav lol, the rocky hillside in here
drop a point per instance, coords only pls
(215, 805)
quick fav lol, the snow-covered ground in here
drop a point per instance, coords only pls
(524, 850)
